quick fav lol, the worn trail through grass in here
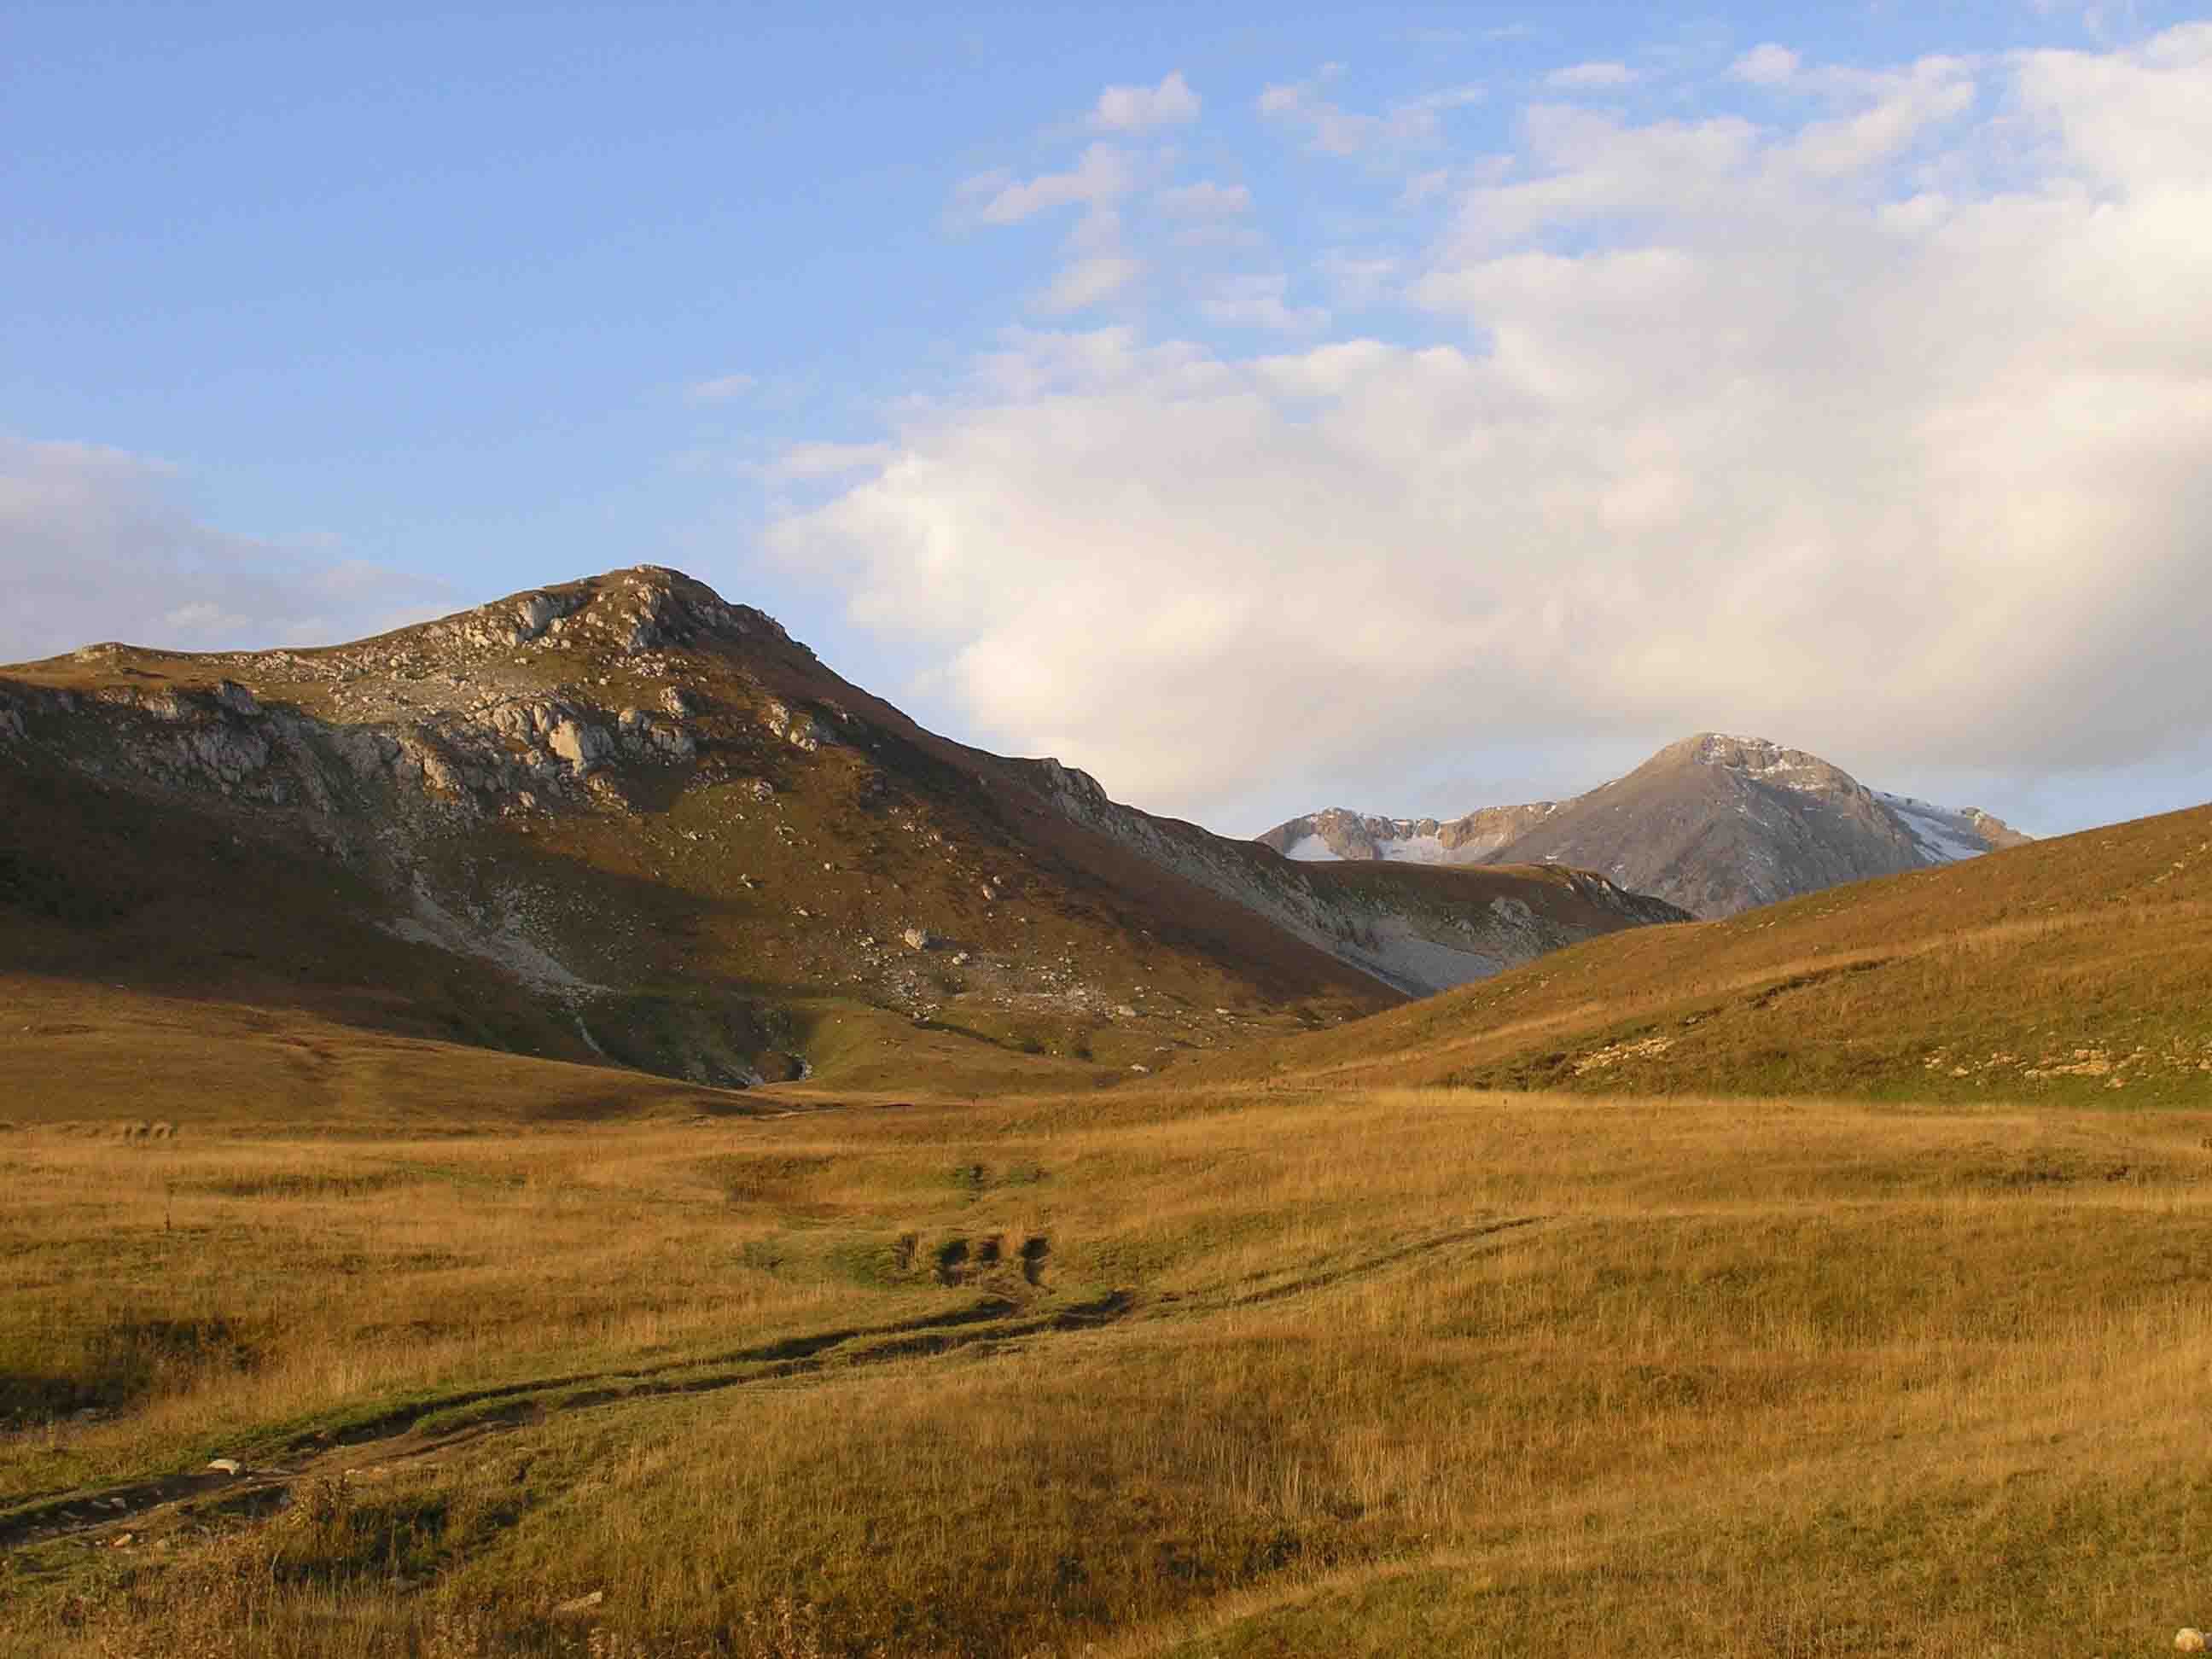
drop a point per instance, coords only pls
(1209, 1374)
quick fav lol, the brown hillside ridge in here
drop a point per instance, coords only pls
(2077, 969)
(622, 821)
(1713, 823)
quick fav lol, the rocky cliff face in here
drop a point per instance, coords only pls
(1419, 931)
(622, 817)
(1714, 824)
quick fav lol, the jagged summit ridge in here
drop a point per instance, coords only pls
(523, 704)
(645, 608)
(1715, 823)
(1338, 832)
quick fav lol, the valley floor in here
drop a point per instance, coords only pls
(1228, 1374)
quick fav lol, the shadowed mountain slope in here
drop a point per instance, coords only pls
(1714, 824)
(619, 820)
(2073, 969)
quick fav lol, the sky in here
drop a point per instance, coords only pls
(1411, 408)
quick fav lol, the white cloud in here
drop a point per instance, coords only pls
(97, 543)
(1206, 200)
(1767, 65)
(1139, 109)
(1087, 281)
(1332, 130)
(1881, 130)
(1101, 176)
(1360, 280)
(1591, 76)
(720, 389)
(826, 461)
(1434, 103)
(1718, 424)
(1258, 301)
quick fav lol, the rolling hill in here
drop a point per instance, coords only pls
(2070, 969)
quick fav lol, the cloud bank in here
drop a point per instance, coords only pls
(1879, 421)
(97, 544)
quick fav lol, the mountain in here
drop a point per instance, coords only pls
(623, 820)
(1714, 824)
(2065, 970)
(1339, 833)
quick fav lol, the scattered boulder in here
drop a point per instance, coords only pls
(440, 775)
(581, 745)
(532, 617)
(642, 734)
(797, 728)
(512, 622)
(918, 938)
(526, 720)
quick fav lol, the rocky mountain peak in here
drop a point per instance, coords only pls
(628, 612)
(1715, 823)
(1757, 758)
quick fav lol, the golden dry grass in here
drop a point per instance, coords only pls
(1372, 1372)
(2068, 971)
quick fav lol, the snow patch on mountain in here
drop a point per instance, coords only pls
(1945, 835)
(1417, 849)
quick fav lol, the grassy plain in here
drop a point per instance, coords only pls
(1214, 1375)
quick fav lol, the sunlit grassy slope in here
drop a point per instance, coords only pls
(1207, 1375)
(2077, 969)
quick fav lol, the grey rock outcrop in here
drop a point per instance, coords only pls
(797, 727)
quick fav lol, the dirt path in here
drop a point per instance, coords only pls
(413, 1432)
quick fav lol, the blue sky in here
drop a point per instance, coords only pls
(1385, 405)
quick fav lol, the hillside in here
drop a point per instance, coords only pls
(2072, 969)
(622, 821)
(1714, 824)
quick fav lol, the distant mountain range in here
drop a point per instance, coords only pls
(1714, 824)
